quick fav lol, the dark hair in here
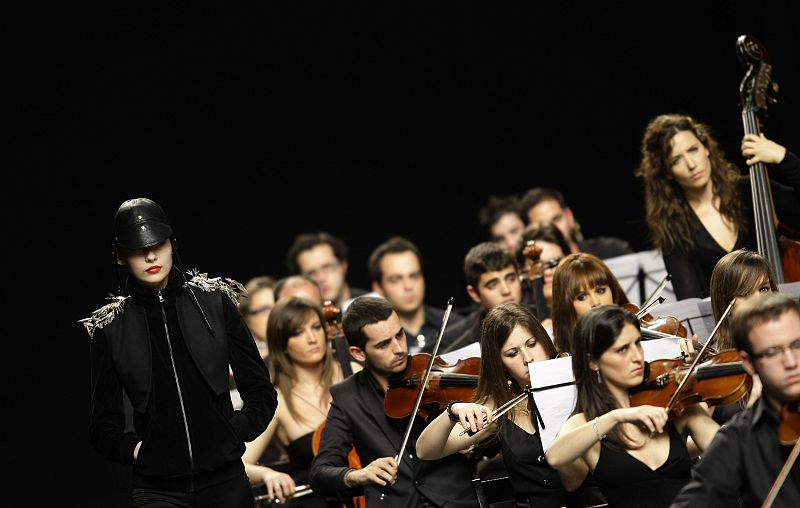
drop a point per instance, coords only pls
(308, 241)
(544, 231)
(737, 273)
(393, 245)
(496, 208)
(253, 286)
(363, 311)
(500, 321)
(537, 195)
(596, 331)
(669, 216)
(486, 257)
(283, 281)
(757, 310)
(572, 274)
(288, 316)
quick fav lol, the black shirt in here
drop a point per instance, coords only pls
(742, 463)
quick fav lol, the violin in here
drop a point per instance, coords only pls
(535, 276)
(789, 428)
(336, 336)
(719, 380)
(666, 325)
(446, 383)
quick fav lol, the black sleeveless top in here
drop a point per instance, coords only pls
(627, 481)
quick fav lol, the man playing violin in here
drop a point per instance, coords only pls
(357, 419)
(745, 457)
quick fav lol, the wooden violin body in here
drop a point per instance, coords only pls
(446, 384)
(669, 325)
(718, 381)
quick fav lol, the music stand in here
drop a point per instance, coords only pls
(639, 274)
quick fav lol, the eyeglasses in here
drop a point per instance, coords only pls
(772, 352)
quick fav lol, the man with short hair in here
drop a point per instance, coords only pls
(395, 268)
(542, 204)
(323, 257)
(357, 419)
(492, 276)
(301, 286)
(745, 457)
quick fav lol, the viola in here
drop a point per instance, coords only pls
(446, 383)
(719, 380)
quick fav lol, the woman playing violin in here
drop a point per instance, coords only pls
(744, 459)
(581, 282)
(698, 204)
(740, 274)
(511, 338)
(303, 369)
(637, 455)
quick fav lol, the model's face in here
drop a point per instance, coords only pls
(494, 288)
(402, 282)
(776, 356)
(589, 298)
(520, 349)
(321, 264)
(307, 345)
(507, 231)
(622, 364)
(550, 211)
(550, 252)
(150, 266)
(386, 351)
(689, 163)
(261, 303)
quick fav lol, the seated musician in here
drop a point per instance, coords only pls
(510, 340)
(741, 466)
(302, 369)
(637, 455)
(357, 419)
(740, 274)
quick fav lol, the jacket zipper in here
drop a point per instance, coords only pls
(178, 385)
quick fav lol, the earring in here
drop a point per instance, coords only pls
(508, 382)
(599, 379)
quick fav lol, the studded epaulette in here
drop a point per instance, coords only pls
(230, 287)
(104, 314)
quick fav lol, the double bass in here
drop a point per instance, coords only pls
(777, 242)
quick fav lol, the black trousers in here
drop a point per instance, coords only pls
(233, 493)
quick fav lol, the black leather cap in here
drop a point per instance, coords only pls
(140, 223)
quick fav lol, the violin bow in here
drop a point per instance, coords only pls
(505, 408)
(784, 472)
(655, 295)
(425, 380)
(699, 356)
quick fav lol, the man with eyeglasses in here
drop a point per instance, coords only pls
(744, 460)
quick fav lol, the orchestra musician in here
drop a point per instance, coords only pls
(745, 457)
(511, 338)
(357, 419)
(637, 455)
(502, 220)
(303, 369)
(698, 204)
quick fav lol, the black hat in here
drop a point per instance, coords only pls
(140, 223)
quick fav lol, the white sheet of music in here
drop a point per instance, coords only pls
(658, 349)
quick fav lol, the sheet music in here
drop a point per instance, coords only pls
(468, 351)
(554, 393)
(658, 349)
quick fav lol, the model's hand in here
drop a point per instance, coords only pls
(651, 417)
(471, 415)
(279, 485)
(760, 149)
(688, 351)
(382, 471)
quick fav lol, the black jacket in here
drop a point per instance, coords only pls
(172, 361)
(357, 418)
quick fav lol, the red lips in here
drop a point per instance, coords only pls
(153, 269)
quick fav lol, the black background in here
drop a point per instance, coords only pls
(251, 125)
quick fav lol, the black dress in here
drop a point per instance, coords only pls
(627, 481)
(535, 483)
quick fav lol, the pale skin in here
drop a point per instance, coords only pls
(577, 446)
(760, 149)
(690, 167)
(306, 349)
(442, 436)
